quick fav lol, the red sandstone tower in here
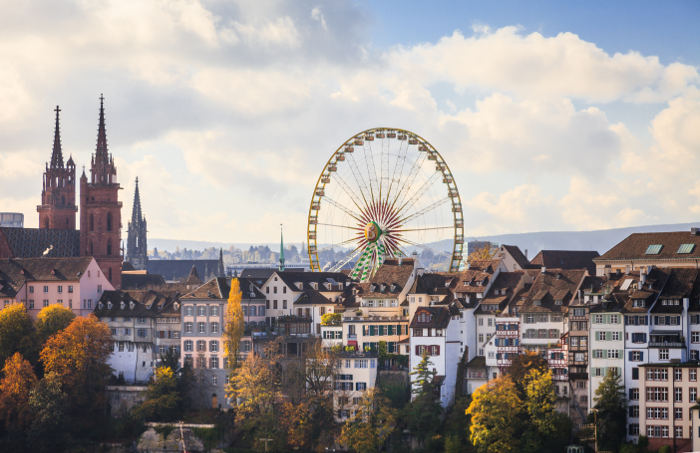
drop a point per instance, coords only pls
(100, 209)
(57, 209)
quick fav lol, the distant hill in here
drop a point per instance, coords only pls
(599, 240)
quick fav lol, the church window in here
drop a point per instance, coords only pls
(109, 247)
(92, 223)
(109, 221)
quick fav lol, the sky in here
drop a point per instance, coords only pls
(552, 115)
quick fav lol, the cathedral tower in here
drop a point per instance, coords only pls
(57, 209)
(136, 248)
(100, 209)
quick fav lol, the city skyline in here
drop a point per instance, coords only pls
(227, 112)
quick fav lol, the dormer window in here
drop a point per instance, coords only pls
(558, 302)
(654, 249)
(109, 305)
(424, 317)
(122, 305)
(131, 305)
(638, 303)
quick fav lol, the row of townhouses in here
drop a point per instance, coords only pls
(634, 310)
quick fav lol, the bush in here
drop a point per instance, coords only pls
(665, 449)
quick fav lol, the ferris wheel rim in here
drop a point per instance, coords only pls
(325, 178)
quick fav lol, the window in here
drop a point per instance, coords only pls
(360, 386)
(215, 379)
(188, 345)
(678, 374)
(201, 310)
(657, 394)
(215, 327)
(188, 327)
(201, 327)
(188, 310)
(45, 302)
(654, 249)
(214, 362)
(678, 431)
(663, 354)
(657, 374)
(214, 310)
(633, 411)
(636, 356)
(678, 413)
(686, 248)
(31, 303)
(639, 338)
(693, 394)
(692, 374)
(141, 333)
(201, 345)
(678, 394)
(598, 319)
(695, 337)
(70, 288)
(634, 429)
(46, 288)
(214, 346)
(657, 413)
(60, 288)
(31, 290)
(361, 363)
(635, 373)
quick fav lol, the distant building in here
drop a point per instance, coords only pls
(136, 244)
(11, 220)
(179, 270)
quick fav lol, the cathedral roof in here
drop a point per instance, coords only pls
(180, 269)
(30, 242)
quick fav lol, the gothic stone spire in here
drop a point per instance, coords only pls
(136, 215)
(101, 156)
(281, 268)
(57, 154)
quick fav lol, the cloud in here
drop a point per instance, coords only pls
(223, 108)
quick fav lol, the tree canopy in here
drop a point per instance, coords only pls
(611, 406)
(17, 382)
(370, 427)
(235, 324)
(17, 333)
(52, 319)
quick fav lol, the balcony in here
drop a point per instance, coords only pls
(507, 333)
(666, 340)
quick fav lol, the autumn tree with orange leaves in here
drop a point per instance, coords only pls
(77, 358)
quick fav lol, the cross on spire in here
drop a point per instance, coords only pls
(57, 154)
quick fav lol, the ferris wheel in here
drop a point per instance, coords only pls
(382, 193)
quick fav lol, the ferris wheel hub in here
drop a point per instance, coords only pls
(372, 231)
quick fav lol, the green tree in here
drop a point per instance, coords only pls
(369, 428)
(522, 364)
(48, 431)
(163, 401)
(51, 320)
(611, 406)
(77, 357)
(424, 413)
(495, 411)
(331, 319)
(17, 333)
(235, 324)
(541, 418)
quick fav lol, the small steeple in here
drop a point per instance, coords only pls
(57, 154)
(101, 156)
(281, 268)
(136, 214)
(193, 277)
(221, 272)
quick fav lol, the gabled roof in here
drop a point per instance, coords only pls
(14, 272)
(120, 304)
(432, 283)
(300, 281)
(220, 287)
(566, 259)
(549, 287)
(472, 281)
(312, 297)
(519, 257)
(635, 246)
(33, 242)
(180, 269)
(439, 317)
(506, 285)
(141, 281)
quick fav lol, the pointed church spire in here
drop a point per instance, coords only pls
(101, 149)
(136, 214)
(57, 154)
(281, 268)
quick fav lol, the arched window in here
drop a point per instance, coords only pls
(92, 223)
(109, 247)
(109, 221)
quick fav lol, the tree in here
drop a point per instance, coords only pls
(495, 412)
(321, 365)
(163, 401)
(235, 324)
(76, 357)
(49, 428)
(539, 406)
(522, 364)
(331, 319)
(51, 320)
(484, 253)
(255, 388)
(424, 413)
(17, 382)
(17, 333)
(611, 406)
(370, 427)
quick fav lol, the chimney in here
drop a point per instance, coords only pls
(694, 231)
(543, 269)
(642, 275)
(525, 253)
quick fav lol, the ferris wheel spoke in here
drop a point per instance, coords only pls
(407, 230)
(413, 199)
(371, 175)
(340, 226)
(342, 208)
(401, 159)
(359, 180)
(352, 255)
(424, 210)
(404, 190)
(348, 191)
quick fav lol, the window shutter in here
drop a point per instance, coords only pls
(437, 350)
(418, 350)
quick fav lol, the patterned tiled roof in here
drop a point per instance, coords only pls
(34, 242)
